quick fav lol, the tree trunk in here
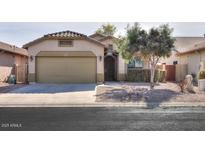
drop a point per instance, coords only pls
(152, 70)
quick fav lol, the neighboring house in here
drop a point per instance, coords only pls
(182, 44)
(13, 60)
(189, 54)
(194, 57)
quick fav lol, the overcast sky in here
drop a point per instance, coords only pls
(20, 33)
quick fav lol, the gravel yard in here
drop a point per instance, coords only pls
(139, 92)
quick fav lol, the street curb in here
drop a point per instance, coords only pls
(111, 104)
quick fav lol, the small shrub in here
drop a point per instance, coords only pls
(143, 75)
(201, 74)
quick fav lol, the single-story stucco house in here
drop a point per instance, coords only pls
(13, 61)
(71, 57)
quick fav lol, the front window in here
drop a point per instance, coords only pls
(110, 46)
(135, 63)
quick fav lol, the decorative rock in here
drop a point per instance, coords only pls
(189, 83)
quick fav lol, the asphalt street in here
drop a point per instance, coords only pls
(97, 119)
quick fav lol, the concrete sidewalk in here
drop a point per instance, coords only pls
(42, 99)
(64, 103)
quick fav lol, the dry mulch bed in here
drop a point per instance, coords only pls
(164, 92)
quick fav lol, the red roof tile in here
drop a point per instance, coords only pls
(63, 35)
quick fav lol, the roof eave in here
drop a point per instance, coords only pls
(108, 37)
(191, 51)
(14, 52)
(60, 38)
(95, 34)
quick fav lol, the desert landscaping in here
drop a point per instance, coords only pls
(140, 92)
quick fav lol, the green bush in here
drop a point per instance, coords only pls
(201, 74)
(143, 75)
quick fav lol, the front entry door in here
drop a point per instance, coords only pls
(109, 67)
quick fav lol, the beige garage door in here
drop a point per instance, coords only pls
(66, 69)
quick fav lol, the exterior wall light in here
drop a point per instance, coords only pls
(31, 58)
(100, 58)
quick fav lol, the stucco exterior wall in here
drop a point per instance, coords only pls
(193, 60)
(78, 45)
(7, 59)
(193, 63)
(183, 59)
(109, 41)
(181, 71)
(98, 37)
(171, 59)
(122, 68)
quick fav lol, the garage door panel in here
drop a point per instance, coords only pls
(66, 70)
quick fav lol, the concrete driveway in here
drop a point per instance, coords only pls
(50, 94)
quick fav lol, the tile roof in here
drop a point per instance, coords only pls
(183, 44)
(67, 33)
(107, 37)
(97, 34)
(63, 35)
(13, 49)
(195, 46)
(102, 37)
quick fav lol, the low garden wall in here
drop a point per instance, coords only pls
(143, 75)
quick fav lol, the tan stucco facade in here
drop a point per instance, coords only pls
(108, 41)
(171, 59)
(193, 60)
(78, 46)
(122, 65)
